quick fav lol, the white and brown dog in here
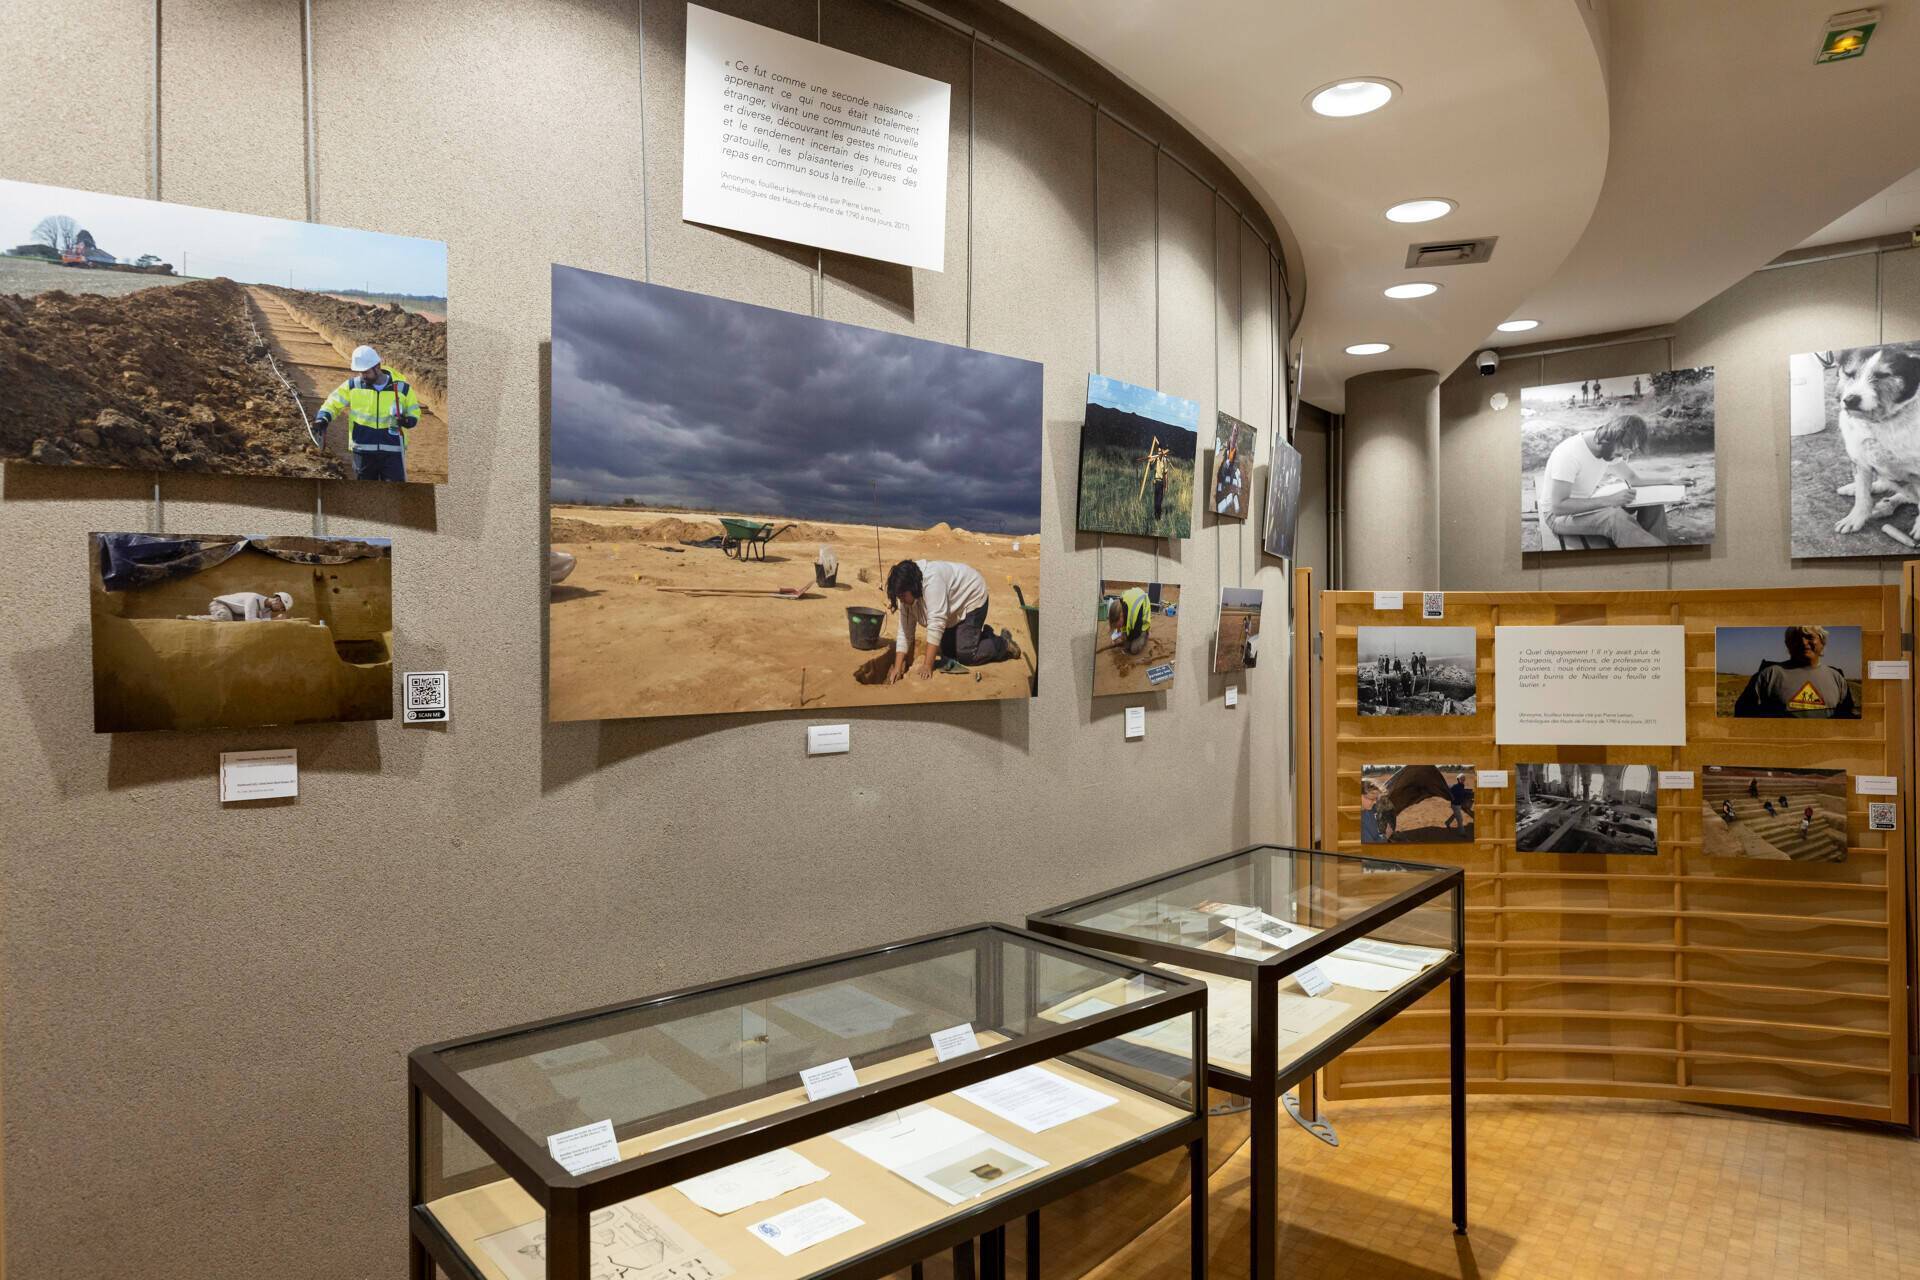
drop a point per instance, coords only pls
(1879, 413)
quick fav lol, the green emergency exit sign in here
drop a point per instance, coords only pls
(1847, 35)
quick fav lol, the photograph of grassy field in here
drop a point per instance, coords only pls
(160, 337)
(1677, 406)
(1137, 455)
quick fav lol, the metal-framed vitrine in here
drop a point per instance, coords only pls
(983, 1072)
(1304, 954)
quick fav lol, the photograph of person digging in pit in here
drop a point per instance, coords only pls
(765, 511)
(950, 601)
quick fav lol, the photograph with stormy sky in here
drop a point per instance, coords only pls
(678, 400)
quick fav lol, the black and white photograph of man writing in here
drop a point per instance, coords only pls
(1618, 462)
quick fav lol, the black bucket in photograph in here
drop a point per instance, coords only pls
(863, 626)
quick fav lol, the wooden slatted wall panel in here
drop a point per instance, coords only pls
(1745, 982)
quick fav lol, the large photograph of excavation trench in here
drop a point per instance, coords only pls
(231, 631)
(159, 337)
(735, 489)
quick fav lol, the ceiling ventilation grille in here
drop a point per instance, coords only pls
(1451, 253)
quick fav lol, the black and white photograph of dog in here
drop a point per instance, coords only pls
(1854, 416)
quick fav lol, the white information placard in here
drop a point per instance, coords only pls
(1875, 784)
(1887, 669)
(1676, 779)
(795, 140)
(1136, 721)
(589, 1147)
(1590, 686)
(1492, 779)
(1233, 695)
(829, 739)
(259, 775)
(1389, 601)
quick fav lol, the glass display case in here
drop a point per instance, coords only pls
(846, 1117)
(1303, 953)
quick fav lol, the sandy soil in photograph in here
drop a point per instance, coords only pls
(1117, 671)
(645, 626)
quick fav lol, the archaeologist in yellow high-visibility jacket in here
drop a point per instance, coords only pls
(381, 409)
(1130, 615)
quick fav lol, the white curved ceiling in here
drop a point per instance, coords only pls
(1503, 109)
(1729, 148)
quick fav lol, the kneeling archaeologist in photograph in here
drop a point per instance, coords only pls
(1580, 500)
(950, 600)
(1130, 615)
(381, 409)
(1803, 687)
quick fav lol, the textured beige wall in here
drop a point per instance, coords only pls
(1746, 333)
(1392, 445)
(206, 1011)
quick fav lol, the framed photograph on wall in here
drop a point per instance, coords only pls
(1136, 634)
(1586, 808)
(161, 337)
(767, 511)
(1283, 500)
(1853, 422)
(1137, 452)
(1233, 446)
(1624, 462)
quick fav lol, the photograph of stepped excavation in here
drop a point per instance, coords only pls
(1137, 453)
(1784, 815)
(1417, 671)
(230, 631)
(756, 510)
(1416, 803)
(1236, 644)
(1136, 637)
(159, 337)
(1586, 808)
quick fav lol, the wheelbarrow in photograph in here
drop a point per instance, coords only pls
(743, 536)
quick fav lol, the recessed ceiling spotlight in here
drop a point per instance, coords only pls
(1425, 209)
(1369, 348)
(1413, 289)
(1517, 326)
(1351, 97)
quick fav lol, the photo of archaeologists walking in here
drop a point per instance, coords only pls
(1854, 422)
(1618, 462)
(755, 510)
(230, 631)
(1137, 453)
(1781, 815)
(159, 337)
(1416, 803)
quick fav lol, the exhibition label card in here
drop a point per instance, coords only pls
(829, 1078)
(1871, 784)
(1313, 981)
(259, 775)
(797, 1229)
(1233, 695)
(751, 1181)
(1676, 779)
(1491, 779)
(1035, 1099)
(1136, 722)
(589, 1147)
(829, 739)
(1590, 686)
(800, 141)
(1887, 669)
(954, 1041)
(1389, 601)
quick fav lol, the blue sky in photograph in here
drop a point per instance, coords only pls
(680, 399)
(1741, 649)
(205, 243)
(1176, 411)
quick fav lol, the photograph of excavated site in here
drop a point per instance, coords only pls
(1417, 671)
(159, 337)
(733, 487)
(231, 631)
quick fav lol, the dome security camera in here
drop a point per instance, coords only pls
(1488, 361)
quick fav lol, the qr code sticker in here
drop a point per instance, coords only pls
(426, 698)
(1880, 816)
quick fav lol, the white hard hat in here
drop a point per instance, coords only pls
(286, 601)
(364, 358)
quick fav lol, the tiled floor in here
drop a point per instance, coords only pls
(1560, 1190)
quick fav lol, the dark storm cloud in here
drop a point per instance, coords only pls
(682, 399)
